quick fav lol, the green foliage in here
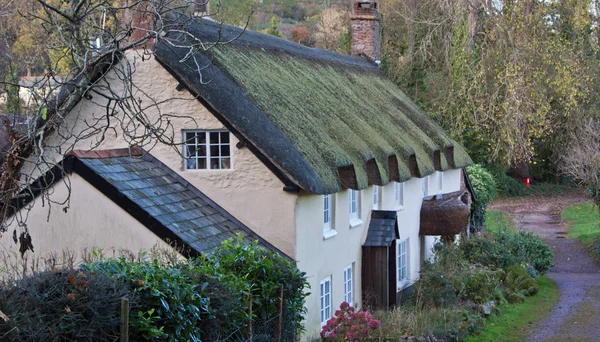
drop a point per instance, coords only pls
(171, 305)
(484, 184)
(485, 191)
(67, 305)
(13, 103)
(504, 82)
(272, 29)
(506, 185)
(518, 284)
(505, 249)
(269, 274)
(450, 279)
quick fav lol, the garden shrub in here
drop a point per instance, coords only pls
(485, 191)
(506, 185)
(505, 249)
(539, 254)
(172, 306)
(68, 305)
(348, 325)
(518, 284)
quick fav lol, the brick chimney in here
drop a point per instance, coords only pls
(365, 30)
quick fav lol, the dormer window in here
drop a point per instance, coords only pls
(204, 150)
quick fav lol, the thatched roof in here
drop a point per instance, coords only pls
(321, 120)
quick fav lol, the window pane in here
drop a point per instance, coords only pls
(225, 151)
(225, 163)
(201, 151)
(202, 163)
(191, 151)
(224, 137)
(214, 137)
(201, 138)
(214, 151)
(190, 137)
(190, 163)
(214, 163)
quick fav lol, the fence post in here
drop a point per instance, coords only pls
(250, 319)
(279, 315)
(124, 320)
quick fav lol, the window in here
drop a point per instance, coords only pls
(399, 194)
(348, 284)
(328, 230)
(402, 263)
(353, 204)
(325, 295)
(207, 150)
(354, 201)
(376, 197)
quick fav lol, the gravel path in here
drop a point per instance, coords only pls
(575, 318)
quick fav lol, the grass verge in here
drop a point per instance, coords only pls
(584, 222)
(517, 320)
(497, 221)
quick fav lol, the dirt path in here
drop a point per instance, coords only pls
(575, 318)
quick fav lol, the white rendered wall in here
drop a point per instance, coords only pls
(320, 257)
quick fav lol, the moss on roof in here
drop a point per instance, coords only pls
(334, 111)
(337, 114)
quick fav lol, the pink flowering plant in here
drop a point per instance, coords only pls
(348, 325)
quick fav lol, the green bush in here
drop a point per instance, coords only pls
(485, 191)
(539, 254)
(518, 284)
(505, 249)
(172, 306)
(67, 305)
(450, 279)
(506, 185)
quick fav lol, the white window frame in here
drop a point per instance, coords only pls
(399, 195)
(208, 156)
(376, 197)
(402, 263)
(349, 284)
(325, 300)
(424, 186)
(328, 217)
(354, 208)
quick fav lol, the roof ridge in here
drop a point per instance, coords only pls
(133, 151)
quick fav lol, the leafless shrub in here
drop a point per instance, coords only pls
(581, 157)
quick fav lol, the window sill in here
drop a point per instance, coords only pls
(402, 285)
(355, 222)
(328, 234)
(399, 207)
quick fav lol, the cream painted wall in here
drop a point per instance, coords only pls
(249, 191)
(91, 221)
(321, 258)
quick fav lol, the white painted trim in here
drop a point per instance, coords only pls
(328, 234)
(349, 284)
(401, 283)
(355, 222)
(376, 197)
(208, 146)
(328, 213)
(324, 315)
